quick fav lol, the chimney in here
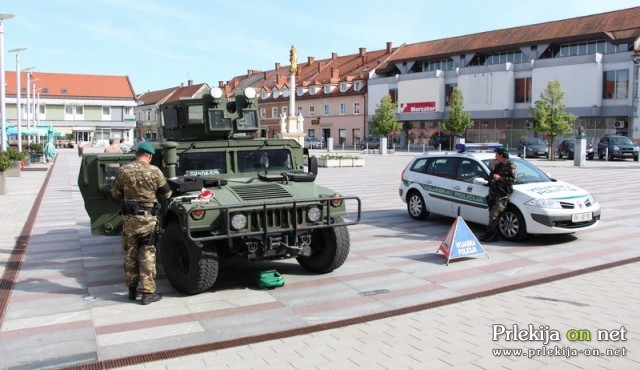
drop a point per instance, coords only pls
(310, 60)
(249, 72)
(277, 66)
(190, 83)
(221, 84)
(364, 59)
(335, 72)
(181, 84)
(264, 76)
(281, 80)
(362, 51)
(389, 47)
(334, 56)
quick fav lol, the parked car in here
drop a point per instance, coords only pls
(566, 149)
(370, 142)
(311, 142)
(617, 146)
(453, 184)
(534, 148)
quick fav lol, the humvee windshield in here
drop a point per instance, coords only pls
(264, 160)
(202, 164)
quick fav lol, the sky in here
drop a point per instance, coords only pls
(161, 43)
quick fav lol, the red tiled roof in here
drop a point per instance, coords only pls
(316, 72)
(621, 25)
(76, 85)
(188, 91)
(154, 97)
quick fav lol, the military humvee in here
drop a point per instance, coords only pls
(233, 195)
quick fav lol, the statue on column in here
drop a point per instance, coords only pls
(283, 124)
(293, 58)
(299, 122)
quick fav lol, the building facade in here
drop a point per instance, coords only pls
(502, 73)
(91, 108)
(330, 94)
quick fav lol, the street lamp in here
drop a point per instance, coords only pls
(28, 70)
(18, 94)
(3, 129)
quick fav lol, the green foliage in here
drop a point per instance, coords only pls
(5, 162)
(36, 147)
(15, 155)
(459, 120)
(384, 122)
(550, 114)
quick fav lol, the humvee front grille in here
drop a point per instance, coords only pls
(275, 217)
(259, 192)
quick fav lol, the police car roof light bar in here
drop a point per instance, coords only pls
(477, 147)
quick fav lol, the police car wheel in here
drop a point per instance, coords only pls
(512, 226)
(416, 206)
(329, 249)
(189, 267)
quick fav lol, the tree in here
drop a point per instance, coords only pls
(384, 121)
(551, 116)
(459, 120)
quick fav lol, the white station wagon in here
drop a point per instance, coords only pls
(455, 183)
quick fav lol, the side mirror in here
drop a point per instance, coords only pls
(313, 165)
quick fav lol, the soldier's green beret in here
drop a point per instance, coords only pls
(502, 150)
(146, 148)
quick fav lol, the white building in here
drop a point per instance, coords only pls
(502, 73)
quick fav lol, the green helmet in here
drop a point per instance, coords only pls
(146, 148)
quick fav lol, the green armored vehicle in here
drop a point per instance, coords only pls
(233, 195)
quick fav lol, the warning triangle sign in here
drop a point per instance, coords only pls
(460, 242)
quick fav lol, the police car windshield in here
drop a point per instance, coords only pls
(201, 164)
(526, 172)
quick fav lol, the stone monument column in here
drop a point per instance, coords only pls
(294, 124)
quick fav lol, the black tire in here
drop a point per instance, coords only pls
(189, 267)
(559, 155)
(329, 249)
(590, 156)
(610, 156)
(570, 156)
(600, 155)
(416, 205)
(512, 226)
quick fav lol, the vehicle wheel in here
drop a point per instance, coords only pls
(610, 156)
(570, 156)
(512, 226)
(600, 155)
(559, 155)
(189, 267)
(635, 159)
(362, 146)
(329, 249)
(416, 206)
(590, 156)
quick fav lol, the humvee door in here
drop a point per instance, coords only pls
(97, 173)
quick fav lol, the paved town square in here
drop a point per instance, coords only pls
(394, 304)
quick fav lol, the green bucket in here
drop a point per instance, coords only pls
(269, 279)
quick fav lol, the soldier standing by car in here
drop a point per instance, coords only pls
(501, 180)
(137, 183)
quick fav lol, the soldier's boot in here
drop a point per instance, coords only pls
(150, 298)
(133, 293)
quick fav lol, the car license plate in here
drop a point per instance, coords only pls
(540, 153)
(581, 217)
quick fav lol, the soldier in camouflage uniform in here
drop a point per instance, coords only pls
(501, 180)
(138, 183)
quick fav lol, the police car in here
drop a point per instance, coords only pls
(456, 183)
